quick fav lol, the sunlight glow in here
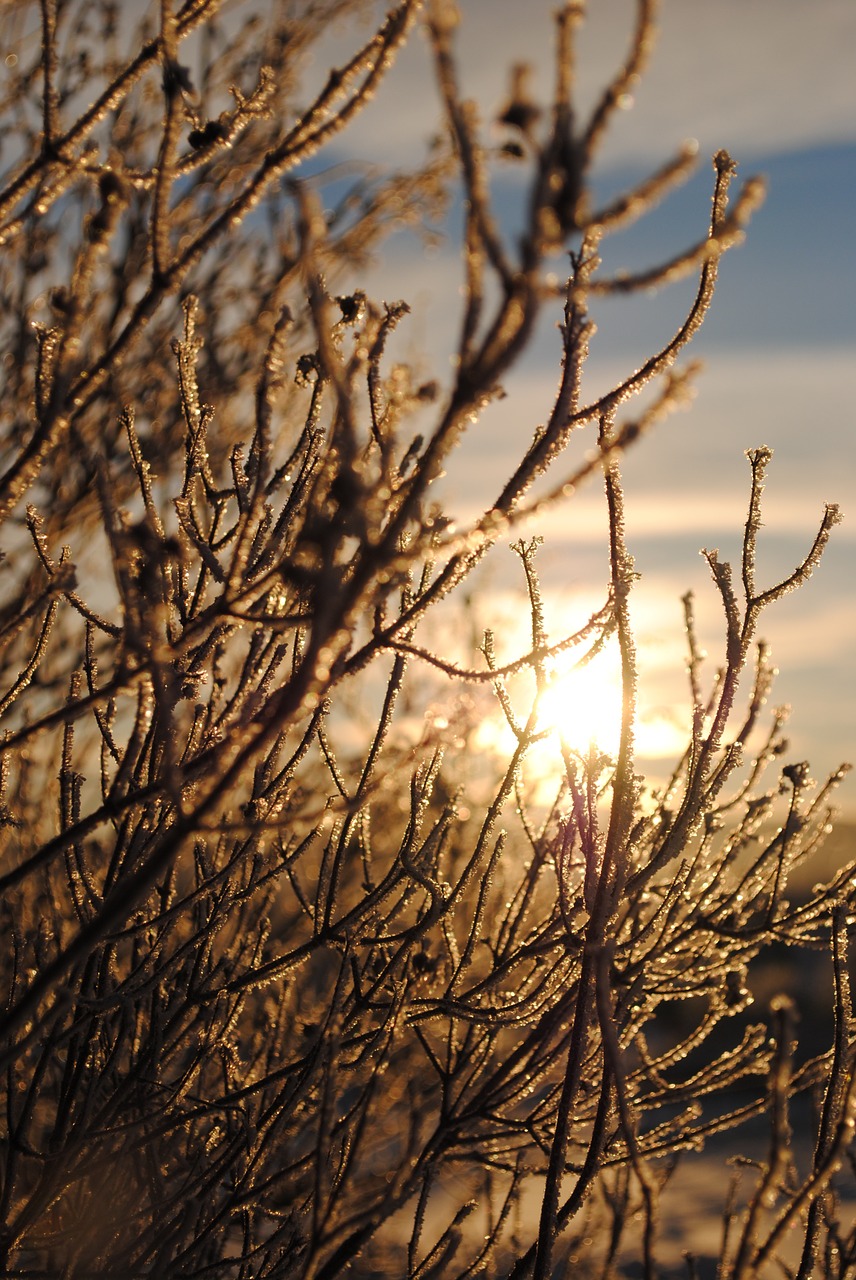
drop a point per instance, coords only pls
(582, 706)
(580, 709)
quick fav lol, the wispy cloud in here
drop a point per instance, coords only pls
(690, 475)
(769, 80)
(759, 77)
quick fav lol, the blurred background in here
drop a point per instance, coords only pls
(773, 83)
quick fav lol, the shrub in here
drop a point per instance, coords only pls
(289, 990)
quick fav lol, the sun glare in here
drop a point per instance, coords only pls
(580, 709)
(582, 706)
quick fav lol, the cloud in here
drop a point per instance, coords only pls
(689, 476)
(757, 77)
(767, 79)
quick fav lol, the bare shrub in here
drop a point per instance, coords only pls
(288, 992)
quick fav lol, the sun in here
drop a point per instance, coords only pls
(580, 710)
(582, 706)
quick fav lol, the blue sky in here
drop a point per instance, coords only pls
(772, 81)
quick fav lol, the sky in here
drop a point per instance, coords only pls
(772, 81)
